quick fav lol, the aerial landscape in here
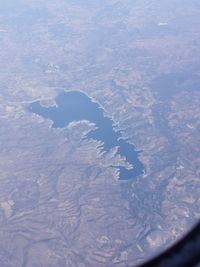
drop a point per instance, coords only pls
(100, 130)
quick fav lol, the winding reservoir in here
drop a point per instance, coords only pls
(76, 106)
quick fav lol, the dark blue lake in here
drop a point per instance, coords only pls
(75, 106)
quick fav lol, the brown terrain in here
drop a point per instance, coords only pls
(61, 204)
